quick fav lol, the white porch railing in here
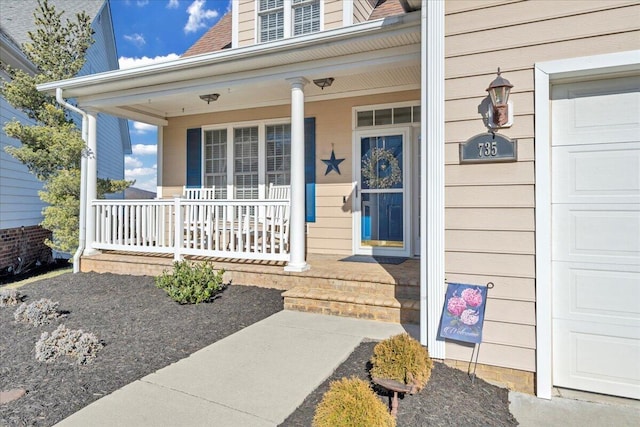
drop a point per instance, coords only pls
(244, 229)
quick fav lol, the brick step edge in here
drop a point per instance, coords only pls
(325, 294)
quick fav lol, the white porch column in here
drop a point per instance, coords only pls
(92, 181)
(432, 286)
(297, 244)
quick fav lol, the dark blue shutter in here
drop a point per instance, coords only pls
(310, 168)
(194, 157)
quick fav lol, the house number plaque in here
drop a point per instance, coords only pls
(487, 148)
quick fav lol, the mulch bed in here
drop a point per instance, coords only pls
(142, 328)
(449, 398)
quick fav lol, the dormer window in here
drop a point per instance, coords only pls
(278, 19)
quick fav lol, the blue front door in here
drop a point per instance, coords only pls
(382, 193)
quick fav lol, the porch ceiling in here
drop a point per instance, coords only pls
(375, 57)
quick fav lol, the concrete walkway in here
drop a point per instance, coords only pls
(255, 377)
(261, 374)
(573, 408)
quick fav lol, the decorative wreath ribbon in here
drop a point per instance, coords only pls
(380, 158)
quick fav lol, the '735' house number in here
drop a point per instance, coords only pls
(488, 147)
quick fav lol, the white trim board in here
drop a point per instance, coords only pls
(547, 73)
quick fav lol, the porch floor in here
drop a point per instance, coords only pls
(333, 285)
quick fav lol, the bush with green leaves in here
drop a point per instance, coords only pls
(350, 402)
(37, 313)
(9, 297)
(64, 342)
(403, 359)
(191, 283)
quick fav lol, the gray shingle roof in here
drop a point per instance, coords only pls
(16, 16)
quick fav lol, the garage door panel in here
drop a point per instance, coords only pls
(585, 114)
(595, 359)
(597, 174)
(596, 293)
(595, 258)
(596, 233)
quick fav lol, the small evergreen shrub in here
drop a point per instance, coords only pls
(63, 342)
(37, 313)
(191, 283)
(350, 402)
(403, 359)
(9, 297)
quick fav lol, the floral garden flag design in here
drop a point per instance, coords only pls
(463, 312)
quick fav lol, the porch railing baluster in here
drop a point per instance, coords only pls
(241, 229)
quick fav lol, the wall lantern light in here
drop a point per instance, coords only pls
(322, 83)
(500, 115)
(210, 97)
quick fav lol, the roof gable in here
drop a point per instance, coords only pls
(386, 8)
(217, 38)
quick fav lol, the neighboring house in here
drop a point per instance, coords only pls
(21, 238)
(365, 106)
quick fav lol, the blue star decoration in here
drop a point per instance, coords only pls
(332, 163)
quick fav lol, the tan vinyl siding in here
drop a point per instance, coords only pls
(361, 10)
(490, 208)
(246, 22)
(332, 14)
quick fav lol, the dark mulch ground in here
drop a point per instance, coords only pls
(449, 399)
(143, 331)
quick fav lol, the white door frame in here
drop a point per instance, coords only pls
(614, 64)
(407, 155)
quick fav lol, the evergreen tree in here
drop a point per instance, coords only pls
(53, 147)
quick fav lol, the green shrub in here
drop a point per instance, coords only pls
(350, 402)
(403, 359)
(191, 283)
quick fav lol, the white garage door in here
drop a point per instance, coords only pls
(596, 236)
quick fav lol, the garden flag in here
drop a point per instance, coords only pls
(463, 312)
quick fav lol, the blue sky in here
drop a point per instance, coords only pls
(149, 31)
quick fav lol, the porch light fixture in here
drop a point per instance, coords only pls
(499, 114)
(210, 97)
(322, 83)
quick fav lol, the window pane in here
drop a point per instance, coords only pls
(383, 117)
(245, 146)
(278, 161)
(270, 4)
(271, 26)
(365, 118)
(416, 114)
(402, 115)
(215, 161)
(306, 18)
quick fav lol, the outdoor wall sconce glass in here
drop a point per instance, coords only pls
(210, 97)
(322, 83)
(500, 114)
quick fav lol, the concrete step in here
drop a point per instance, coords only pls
(351, 303)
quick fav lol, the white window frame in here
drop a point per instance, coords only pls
(303, 3)
(288, 19)
(262, 151)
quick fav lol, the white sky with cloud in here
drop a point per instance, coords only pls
(143, 154)
(125, 62)
(150, 32)
(198, 16)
